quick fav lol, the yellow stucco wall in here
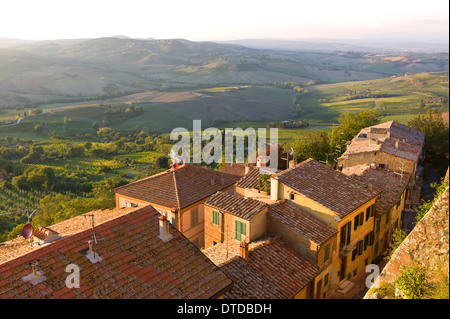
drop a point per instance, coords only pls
(329, 217)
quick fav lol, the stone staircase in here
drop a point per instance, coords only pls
(345, 286)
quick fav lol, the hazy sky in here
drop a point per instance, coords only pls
(223, 20)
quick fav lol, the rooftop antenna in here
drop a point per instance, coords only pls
(325, 162)
(288, 153)
(92, 225)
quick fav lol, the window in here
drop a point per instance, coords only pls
(215, 218)
(387, 216)
(292, 196)
(371, 238)
(368, 212)
(240, 229)
(346, 233)
(325, 280)
(382, 165)
(402, 214)
(378, 225)
(366, 241)
(359, 220)
(360, 247)
(194, 216)
(326, 253)
(128, 204)
(354, 253)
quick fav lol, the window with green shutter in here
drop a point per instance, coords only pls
(240, 229)
(215, 218)
(378, 225)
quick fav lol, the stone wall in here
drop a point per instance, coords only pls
(427, 244)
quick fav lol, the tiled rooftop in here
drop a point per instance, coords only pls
(391, 184)
(19, 246)
(390, 137)
(251, 179)
(178, 188)
(273, 269)
(135, 263)
(301, 221)
(242, 207)
(327, 187)
(237, 169)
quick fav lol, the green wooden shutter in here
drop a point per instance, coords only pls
(215, 217)
(240, 229)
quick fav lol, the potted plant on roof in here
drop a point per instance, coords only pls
(264, 184)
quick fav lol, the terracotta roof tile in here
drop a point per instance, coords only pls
(238, 206)
(178, 188)
(237, 169)
(390, 137)
(391, 184)
(301, 221)
(251, 179)
(326, 186)
(273, 269)
(143, 267)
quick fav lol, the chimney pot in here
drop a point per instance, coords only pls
(164, 233)
(243, 250)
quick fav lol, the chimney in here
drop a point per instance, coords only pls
(91, 254)
(370, 183)
(396, 144)
(164, 233)
(212, 181)
(243, 250)
(36, 276)
(396, 122)
(247, 169)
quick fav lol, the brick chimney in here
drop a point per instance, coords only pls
(164, 233)
(370, 186)
(243, 250)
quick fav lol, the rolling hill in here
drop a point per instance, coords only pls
(36, 73)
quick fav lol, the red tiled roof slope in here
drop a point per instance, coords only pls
(391, 184)
(136, 264)
(327, 187)
(178, 188)
(303, 222)
(238, 206)
(273, 270)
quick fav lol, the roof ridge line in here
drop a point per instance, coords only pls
(176, 190)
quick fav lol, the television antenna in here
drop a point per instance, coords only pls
(288, 153)
(92, 226)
